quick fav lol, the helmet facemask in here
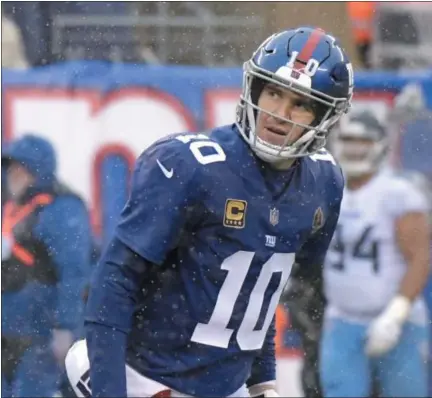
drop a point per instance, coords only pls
(327, 112)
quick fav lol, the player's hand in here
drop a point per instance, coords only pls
(384, 332)
(263, 390)
(268, 393)
(382, 336)
(271, 393)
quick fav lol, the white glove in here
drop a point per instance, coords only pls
(62, 340)
(270, 394)
(384, 332)
(266, 389)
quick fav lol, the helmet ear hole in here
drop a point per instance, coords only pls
(257, 86)
(320, 112)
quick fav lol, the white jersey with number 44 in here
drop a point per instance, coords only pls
(364, 266)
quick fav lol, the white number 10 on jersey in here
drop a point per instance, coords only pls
(215, 332)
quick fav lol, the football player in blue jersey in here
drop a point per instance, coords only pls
(182, 302)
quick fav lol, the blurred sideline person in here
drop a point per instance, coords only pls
(375, 271)
(45, 255)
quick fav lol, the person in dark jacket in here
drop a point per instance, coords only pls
(46, 241)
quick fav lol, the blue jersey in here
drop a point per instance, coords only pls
(222, 230)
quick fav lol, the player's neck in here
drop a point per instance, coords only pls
(283, 164)
(354, 183)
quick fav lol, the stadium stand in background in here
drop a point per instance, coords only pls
(210, 33)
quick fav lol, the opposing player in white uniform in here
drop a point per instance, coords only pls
(374, 275)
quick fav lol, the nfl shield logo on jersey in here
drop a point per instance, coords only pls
(274, 216)
(318, 220)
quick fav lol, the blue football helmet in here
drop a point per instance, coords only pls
(308, 62)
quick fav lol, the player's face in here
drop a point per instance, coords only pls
(355, 149)
(287, 105)
(18, 179)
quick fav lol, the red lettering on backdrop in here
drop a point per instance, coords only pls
(97, 102)
(220, 106)
(11, 95)
(374, 95)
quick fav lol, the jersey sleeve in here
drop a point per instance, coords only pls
(163, 189)
(404, 197)
(313, 251)
(151, 222)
